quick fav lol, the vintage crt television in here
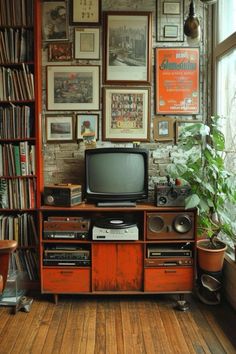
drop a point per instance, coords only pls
(116, 176)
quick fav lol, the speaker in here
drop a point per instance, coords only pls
(170, 225)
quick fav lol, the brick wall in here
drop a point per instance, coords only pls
(63, 163)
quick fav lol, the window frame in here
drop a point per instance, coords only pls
(218, 51)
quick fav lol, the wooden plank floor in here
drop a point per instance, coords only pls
(117, 325)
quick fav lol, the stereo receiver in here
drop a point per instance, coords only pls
(169, 262)
(66, 256)
(162, 252)
(57, 227)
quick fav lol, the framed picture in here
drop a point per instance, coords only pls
(73, 87)
(170, 20)
(177, 80)
(87, 43)
(85, 12)
(87, 126)
(59, 128)
(127, 45)
(60, 51)
(54, 21)
(180, 124)
(163, 128)
(171, 8)
(126, 114)
(170, 31)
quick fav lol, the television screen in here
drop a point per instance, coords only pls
(116, 174)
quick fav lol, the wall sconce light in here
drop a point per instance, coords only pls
(192, 26)
(208, 2)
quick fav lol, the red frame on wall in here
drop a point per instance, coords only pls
(177, 80)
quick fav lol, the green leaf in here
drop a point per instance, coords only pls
(192, 201)
(218, 140)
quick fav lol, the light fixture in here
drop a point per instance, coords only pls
(209, 2)
(192, 26)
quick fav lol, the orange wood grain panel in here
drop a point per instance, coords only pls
(117, 267)
(168, 279)
(66, 280)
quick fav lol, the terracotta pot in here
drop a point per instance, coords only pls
(209, 259)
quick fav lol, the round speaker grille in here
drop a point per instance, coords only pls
(155, 223)
(182, 224)
(172, 195)
(49, 199)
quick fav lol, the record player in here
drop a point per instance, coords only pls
(115, 229)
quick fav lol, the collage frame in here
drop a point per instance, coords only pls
(126, 114)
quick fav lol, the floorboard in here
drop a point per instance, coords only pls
(118, 325)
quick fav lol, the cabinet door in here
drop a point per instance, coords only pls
(65, 280)
(117, 267)
(168, 279)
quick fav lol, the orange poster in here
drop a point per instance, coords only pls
(177, 80)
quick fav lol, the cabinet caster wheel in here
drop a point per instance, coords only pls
(182, 305)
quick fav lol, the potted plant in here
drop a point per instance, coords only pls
(200, 162)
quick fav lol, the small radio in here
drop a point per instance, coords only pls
(63, 195)
(168, 194)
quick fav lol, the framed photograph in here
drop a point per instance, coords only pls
(127, 48)
(180, 124)
(163, 128)
(177, 80)
(170, 20)
(87, 126)
(126, 114)
(170, 31)
(54, 21)
(60, 51)
(74, 87)
(85, 12)
(171, 8)
(59, 128)
(87, 43)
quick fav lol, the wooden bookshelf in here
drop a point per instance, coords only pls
(20, 131)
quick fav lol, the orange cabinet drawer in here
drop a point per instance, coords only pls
(168, 279)
(65, 280)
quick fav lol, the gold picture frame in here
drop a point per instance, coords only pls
(163, 128)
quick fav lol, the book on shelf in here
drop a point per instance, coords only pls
(4, 203)
(1, 161)
(32, 230)
(17, 161)
(24, 157)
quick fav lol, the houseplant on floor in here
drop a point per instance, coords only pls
(200, 162)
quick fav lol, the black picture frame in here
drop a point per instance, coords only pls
(85, 12)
